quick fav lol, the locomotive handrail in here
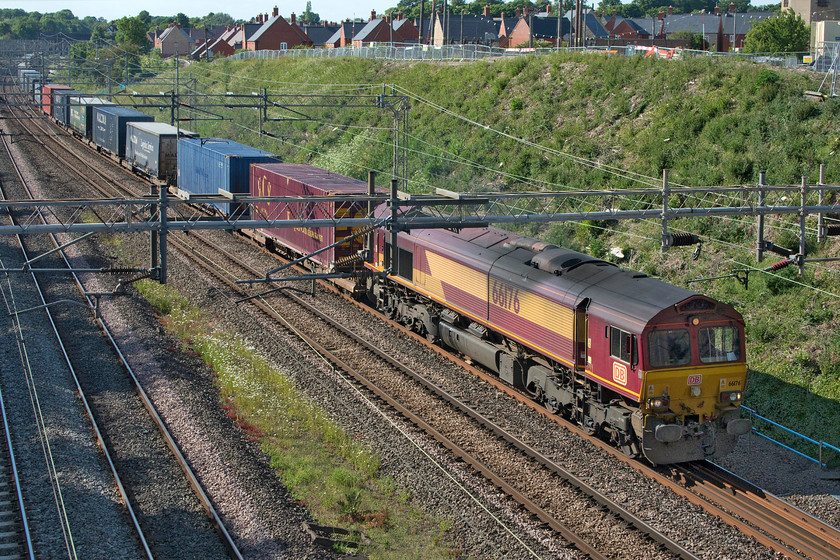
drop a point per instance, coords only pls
(820, 444)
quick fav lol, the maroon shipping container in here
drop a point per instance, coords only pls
(296, 179)
(47, 96)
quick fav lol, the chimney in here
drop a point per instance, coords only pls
(660, 16)
(401, 16)
(717, 11)
(372, 15)
(265, 16)
(486, 10)
(293, 17)
(670, 10)
(388, 19)
(548, 9)
(275, 12)
(732, 7)
(324, 22)
(517, 12)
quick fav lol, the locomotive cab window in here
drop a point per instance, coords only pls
(669, 348)
(719, 344)
(622, 345)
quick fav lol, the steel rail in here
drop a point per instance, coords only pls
(204, 500)
(82, 395)
(794, 527)
(628, 518)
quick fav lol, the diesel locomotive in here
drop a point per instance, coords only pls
(656, 369)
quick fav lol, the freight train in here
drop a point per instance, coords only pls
(656, 369)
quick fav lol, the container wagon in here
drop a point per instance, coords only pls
(61, 104)
(110, 124)
(296, 179)
(47, 97)
(217, 166)
(81, 114)
(152, 148)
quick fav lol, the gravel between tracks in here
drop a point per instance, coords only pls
(266, 520)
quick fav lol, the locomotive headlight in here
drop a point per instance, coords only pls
(659, 404)
(695, 391)
(730, 396)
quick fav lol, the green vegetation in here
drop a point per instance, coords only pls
(330, 471)
(786, 32)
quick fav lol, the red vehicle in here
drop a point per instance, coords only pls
(295, 179)
(47, 96)
(656, 369)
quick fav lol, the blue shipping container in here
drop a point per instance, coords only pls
(61, 104)
(109, 126)
(211, 165)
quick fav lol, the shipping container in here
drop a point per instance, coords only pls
(36, 93)
(217, 166)
(109, 126)
(152, 148)
(25, 80)
(81, 114)
(61, 104)
(295, 179)
(47, 98)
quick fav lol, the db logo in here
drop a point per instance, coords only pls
(620, 373)
(695, 379)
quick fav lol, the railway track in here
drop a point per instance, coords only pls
(805, 538)
(497, 455)
(91, 299)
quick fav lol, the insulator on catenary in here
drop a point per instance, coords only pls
(778, 265)
(832, 229)
(680, 239)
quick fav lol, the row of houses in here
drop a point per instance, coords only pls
(722, 31)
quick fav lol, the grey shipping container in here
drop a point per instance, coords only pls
(109, 126)
(81, 114)
(216, 165)
(153, 149)
(61, 104)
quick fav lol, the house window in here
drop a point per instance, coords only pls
(822, 3)
(284, 45)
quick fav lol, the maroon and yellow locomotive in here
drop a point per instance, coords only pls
(657, 369)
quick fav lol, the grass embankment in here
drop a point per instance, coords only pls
(710, 121)
(324, 467)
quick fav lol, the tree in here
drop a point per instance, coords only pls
(786, 32)
(132, 32)
(309, 16)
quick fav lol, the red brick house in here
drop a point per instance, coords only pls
(277, 34)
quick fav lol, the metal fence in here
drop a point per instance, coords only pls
(461, 53)
(822, 448)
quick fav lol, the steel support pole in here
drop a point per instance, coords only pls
(395, 250)
(803, 213)
(369, 238)
(163, 202)
(666, 191)
(821, 216)
(153, 249)
(759, 233)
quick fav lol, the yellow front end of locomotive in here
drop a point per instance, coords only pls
(691, 413)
